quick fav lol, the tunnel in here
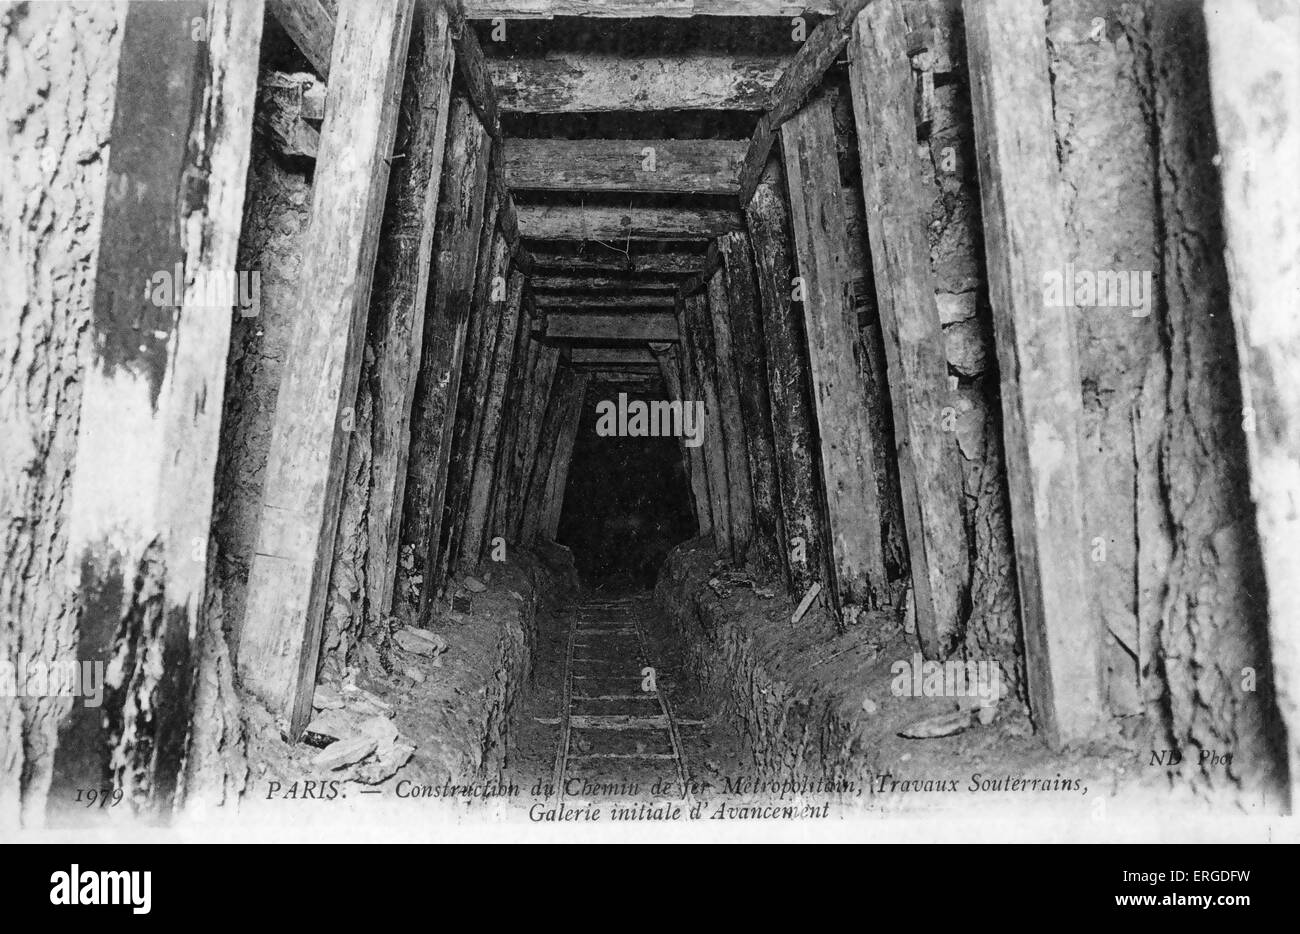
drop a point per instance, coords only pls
(777, 410)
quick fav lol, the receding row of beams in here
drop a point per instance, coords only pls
(636, 9)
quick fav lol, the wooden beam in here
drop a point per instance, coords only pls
(575, 83)
(476, 78)
(288, 581)
(541, 384)
(311, 27)
(456, 241)
(288, 109)
(787, 377)
(675, 165)
(668, 357)
(141, 489)
(830, 320)
(1255, 70)
(400, 294)
(697, 340)
(511, 424)
(563, 222)
(498, 367)
(1011, 101)
(610, 261)
(730, 421)
(799, 79)
(634, 9)
(613, 356)
(750, 364)
(897, 213)
(555, 446)
(571, 283)
(633, 326)
(562, 457)
(550, 300)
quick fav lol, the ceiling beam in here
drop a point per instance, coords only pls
(565, 222)
(610, 261)
(709, 166)
(640, 326)
(596, 83)
(566, 300)
(603, 282)
(636, 9)
(612, 356)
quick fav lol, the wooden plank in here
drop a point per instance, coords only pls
(1011, 98)
(511, 421)
(697, 343)
(675, 165)
(598, 222)
(311, 27)
(830, 320)
(632, 326)
(612, 355)
(669, 359)
(288, 580)
(288, 109)
(611, 261)
(1255, 70)
(460, 223)
(476, 79)
(541, 386)
(576, 83)
(730, 421)
(493, 396)
(400, 294)
(141, 489)
(755, 403)
(550, 300)
(625, 283)
(633, 9)
(787, 376)
(555, 445)
(562, 458)
(897, 212)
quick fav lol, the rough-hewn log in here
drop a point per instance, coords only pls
(612, 355)
(288, 106)
(839, 392)
(289, 577)
(550, 300)
(541, 384)
(602, 259)
(512, 410)
(697, 334)
(400, 294)
(606, 283)
(630, 326)
(311, 27)
(755, 404)
(476, 78)
(460, 224)
(897, 211)
(633, 9)
(1011, 100)
(557, 476)
(1255, 67)
(573, 83)
(640, 165)
(787, 377)
(492, 400)
(617, 224)
(555, 446)
(670, 367)
(731, 422)
(140, 501)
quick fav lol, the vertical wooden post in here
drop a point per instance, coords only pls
(768, 221)
(141, 489)
(696, 331)
(929, 468)
(1255, 71)
(557, 475)
(460, 222)
(731, 422)
(755, 405)
(550, 445)
(503, 472)
(492, 400)
(401, 291)
(541, 387)
(839, 393)
(666, 355)
(1015, 138)
(287, 584)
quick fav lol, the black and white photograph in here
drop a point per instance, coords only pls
(855, 421)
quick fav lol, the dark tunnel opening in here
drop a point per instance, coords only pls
(626, 503)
